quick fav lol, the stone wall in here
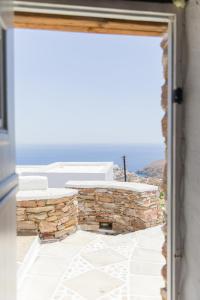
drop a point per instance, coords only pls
(164, 103)
(51, 219)
(124, 210)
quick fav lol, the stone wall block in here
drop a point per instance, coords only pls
(41, 209)
(57, 201)
(26, 225)
(62, 233)
(21, 218)
(70, 223)
(26, 203)
(20, 211)
(37, 217)
(57, 213)
(65, 219)
(130, 212)
(47, 227)
(60, 206)
(52, 218)
(41, 203)
(65, 208)
(93, 227)
(61, 227)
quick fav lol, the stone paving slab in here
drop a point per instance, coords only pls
(23, 245)
(93, 284)
(90, 266)
(103, 257)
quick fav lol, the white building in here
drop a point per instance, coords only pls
(60, 172)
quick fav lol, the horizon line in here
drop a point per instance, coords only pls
(88, 143)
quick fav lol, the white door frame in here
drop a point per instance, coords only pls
(137, 11)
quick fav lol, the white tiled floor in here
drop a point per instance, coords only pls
(23, 245)
(89, 266)
(103, 257)
(93, 284)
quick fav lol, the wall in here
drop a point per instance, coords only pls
(190, 287)
(55, 218)
(59, 173)
(51, 219)
(126, 210)
(164, 104)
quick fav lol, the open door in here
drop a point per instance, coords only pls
(8, 180)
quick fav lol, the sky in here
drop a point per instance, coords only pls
(86, 88)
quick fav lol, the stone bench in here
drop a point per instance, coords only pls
(52, 213)
(117, 206)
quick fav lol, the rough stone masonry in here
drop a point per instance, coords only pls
(50, 219)
(125, 210)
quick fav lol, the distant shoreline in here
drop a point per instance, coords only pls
(138, 155)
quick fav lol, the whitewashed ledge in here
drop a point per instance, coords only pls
(130, 186)
(50, 193)
(30, 183)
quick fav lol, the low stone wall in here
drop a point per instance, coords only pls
(50, 218)
(117, 207)
(125, 210)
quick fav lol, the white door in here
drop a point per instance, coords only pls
(7, 156)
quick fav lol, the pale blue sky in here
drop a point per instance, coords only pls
(87, 88)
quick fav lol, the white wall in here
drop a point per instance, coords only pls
(60, 172)
(190, 281)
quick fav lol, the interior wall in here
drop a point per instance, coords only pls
(190, 281)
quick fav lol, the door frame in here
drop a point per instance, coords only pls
(145, 12)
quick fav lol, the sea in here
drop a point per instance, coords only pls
(137, 155)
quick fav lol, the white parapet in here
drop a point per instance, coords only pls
(36, 188)
(130, 186)
(27, 183)
(60, 172)
(49, 194)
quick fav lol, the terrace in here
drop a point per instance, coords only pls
(90, 266)
(63, 249)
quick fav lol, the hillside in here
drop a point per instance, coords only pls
(154, 169)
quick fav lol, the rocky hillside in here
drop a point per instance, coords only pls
(133, 177)
(155, 169)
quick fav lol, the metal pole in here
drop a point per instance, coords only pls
(124, 167)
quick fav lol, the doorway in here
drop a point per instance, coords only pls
(101, 29)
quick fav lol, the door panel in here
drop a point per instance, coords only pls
(7, 248)
(7, 157)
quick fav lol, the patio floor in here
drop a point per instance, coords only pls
(90, 266)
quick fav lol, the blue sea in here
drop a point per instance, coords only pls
(138, 155)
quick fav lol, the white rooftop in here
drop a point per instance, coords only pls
(131, 186)
(66, 167)
(60, 172)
